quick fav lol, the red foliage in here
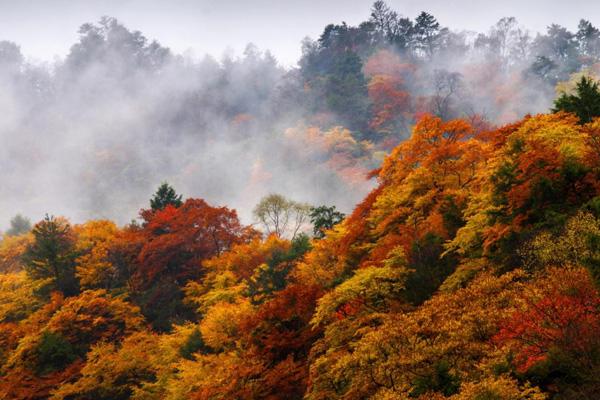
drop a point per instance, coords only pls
(281, 325)
(178, 239)
(385, 62)
(349, 309)
(391, 103)
(23, 384)
(564, 321)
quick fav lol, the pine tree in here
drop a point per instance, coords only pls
(51, 256)
(585, 103)
(164, 196)
(324, 218)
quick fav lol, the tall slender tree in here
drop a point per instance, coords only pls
(51, 256)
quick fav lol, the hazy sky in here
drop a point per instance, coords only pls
(46, 28)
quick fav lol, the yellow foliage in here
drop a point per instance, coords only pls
(383, 354)
(375, 288)
(574, 246)
(220, 376)
(94, 239)
(223, 287)
(324, 264)
(570, 85)
(12, 249)
(498, 388)
(220, 326)
(114, 370)
(84, 320)
(17, 298)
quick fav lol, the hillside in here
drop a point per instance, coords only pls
(468, 270)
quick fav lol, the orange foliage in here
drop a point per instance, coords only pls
(559, 319)
(242, 259)
(178, 239)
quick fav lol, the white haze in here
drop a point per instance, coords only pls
(93, 135)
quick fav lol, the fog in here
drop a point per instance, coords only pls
(93, 134)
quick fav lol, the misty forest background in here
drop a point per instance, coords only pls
(412, 212)
(92, 135)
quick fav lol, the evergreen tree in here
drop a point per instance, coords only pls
(51, 256)
(585, 103)
(588, 39)
(346, 88)
(324, 218)
(164, 196)
(18, 225)
(428, 34)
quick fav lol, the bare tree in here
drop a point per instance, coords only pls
(446, 86)
(281, 216)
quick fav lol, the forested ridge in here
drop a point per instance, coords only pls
(90, 135)
(470, 270)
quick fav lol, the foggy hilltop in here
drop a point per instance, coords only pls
(93, 134)
(410, 211)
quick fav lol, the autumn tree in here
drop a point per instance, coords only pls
(434, 351)
(179, 238)
(17, 296)
(389, 91)
(542, 176)
(12, 249)
(176, 241)
(51, 256)
(115, 370)
(94, 268)
(553, 333)
(272, 275)
(391, 104)
(575, 244)
(65, 330)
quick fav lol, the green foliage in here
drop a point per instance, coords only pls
(164, 196)
(428, 34)
(347, 90)
(54, 353)
(324, 218)
(51, 256)
(162, 305)
(441, 379)
(544, 68)
(193, 344)
(372, 288)
(453, 216)
(271, 276)
(430, 268)
(300, 246)
(585, 103)
(578, 243)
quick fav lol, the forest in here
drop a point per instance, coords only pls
(450, 247)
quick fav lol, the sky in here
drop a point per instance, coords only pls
(45, 29)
